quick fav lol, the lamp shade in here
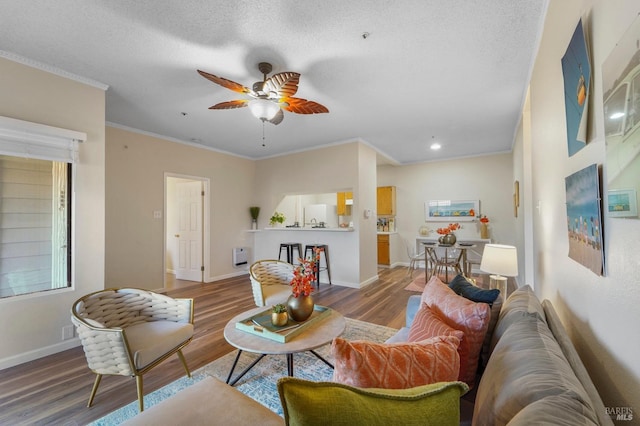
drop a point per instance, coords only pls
(263, 109)
(500, 259)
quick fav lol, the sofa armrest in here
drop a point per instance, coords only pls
(413, 305)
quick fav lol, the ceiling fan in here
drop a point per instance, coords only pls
(269, 96)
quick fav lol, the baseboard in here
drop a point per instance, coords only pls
(231, 275)
(18, 359)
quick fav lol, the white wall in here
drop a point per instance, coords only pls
(349, 166)
(600, 313)
(33, 323)
(136, 166)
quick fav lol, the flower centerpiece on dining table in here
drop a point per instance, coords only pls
(300, 304)
(447, 235)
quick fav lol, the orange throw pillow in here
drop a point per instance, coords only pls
(462, 314)
(427, 324)
(397, 365)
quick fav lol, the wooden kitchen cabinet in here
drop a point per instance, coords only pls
(386, 201)
(383, 250)
(343, 208)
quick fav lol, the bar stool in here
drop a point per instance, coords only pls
(323, 249)
(288, 247)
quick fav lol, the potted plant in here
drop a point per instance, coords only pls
(276, 219)
(279, 316)
(254, 212)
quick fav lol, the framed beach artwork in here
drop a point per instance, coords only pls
(451, 210)
(622, 203)
(584, 219)
(576, 72)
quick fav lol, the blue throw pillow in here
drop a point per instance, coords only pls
(464, 288)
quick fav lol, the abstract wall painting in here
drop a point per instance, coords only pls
(584, 218)
(576, 71)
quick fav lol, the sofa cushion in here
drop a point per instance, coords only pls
(553, 410)
(148, 341)
(527, 365)
(462, 287)
(521, 303)
(427, 324)
(395, 366)
(462, 314)
(325, 403)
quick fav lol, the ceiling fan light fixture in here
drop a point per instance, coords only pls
(263, 109)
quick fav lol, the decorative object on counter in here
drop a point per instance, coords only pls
(277, 219)
(447, 235)
(279, 315)
(300, 303)
(424, 231)
(254, 212)
(484, 227)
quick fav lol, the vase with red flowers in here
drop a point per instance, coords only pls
(300, 304)
(447, 235)
(484, 227)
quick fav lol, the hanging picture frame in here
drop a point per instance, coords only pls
(452, 210)
(622, 203)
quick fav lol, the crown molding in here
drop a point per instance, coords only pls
(53, 70)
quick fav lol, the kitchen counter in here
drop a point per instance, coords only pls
(310, 229)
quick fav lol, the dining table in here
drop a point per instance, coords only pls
(438, 256)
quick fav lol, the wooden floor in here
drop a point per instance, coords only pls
(54, 390)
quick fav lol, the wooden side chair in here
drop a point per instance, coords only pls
(129, 331)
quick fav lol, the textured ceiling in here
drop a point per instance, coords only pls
(452, 71)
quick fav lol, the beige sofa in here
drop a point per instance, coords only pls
(533, 376)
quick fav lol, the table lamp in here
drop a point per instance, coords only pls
(501, 261)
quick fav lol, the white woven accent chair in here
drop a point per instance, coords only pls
(129, 331)
(270, 281)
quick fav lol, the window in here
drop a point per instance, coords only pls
(35, 224)
(36, 164)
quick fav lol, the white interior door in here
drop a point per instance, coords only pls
(189, 233)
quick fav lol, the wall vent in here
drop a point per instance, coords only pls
(240, 256)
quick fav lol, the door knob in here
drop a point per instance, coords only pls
(177, 235)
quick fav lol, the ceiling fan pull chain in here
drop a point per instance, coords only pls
(263, 144)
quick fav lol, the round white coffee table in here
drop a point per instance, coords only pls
(318, 333)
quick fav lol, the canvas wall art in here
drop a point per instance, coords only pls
(584, 219)
(576, 71)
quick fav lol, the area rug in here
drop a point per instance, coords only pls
(417, 284)
(260, 382)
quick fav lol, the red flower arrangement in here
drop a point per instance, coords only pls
(449, 229)
(484, 219)
(304, 274)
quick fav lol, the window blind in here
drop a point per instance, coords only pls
(32, 140)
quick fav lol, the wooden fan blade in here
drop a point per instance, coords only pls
(228, 84)
(282, 85)
(240, 103)
(302, 106)
(277, 119)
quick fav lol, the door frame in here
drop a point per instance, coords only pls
(206, 221)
